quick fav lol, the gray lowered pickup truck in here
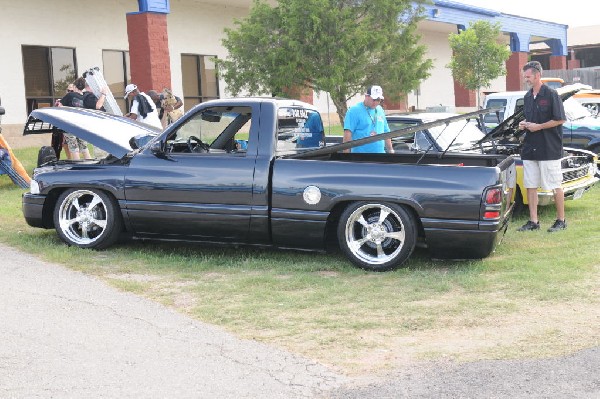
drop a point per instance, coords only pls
(255, 171)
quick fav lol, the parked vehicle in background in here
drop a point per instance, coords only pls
(555, 83)
(578, 166)
(589, 99)
(194, 182)
(581, 130)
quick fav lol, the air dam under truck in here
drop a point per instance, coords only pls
(256, 171)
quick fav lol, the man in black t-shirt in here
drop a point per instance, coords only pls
(542, 146)
(90, 101)
(72, 99)
(75, 99)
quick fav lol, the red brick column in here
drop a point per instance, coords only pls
(399, 105)
(464, 97)
(574, 64)
(149, 50)
(558, 62)
(514, 77)
(299, 93)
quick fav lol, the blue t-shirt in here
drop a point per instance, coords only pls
(362, 121)
(312, 135)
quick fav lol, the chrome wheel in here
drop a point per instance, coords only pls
(377, 236)
(87, 218)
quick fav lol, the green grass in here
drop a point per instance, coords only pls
(322, 307)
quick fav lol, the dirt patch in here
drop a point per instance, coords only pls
(515, 329)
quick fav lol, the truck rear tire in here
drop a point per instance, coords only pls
(377, 236)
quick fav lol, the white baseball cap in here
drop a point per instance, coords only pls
(376, 92)
(128, 89)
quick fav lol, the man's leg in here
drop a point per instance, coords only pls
(559, 200)
(532, 198)
(73, 149)
(531, 180)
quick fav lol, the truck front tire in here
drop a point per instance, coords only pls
(377, 236)
(87, 218)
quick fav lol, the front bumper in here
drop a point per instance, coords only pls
(571, 191)
(33, 209)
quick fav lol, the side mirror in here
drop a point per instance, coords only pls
(157, 148)
(140, 140)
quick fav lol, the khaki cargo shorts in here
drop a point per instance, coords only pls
(544, 174)
(75, 144)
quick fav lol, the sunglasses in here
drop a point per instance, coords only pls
(532, 65)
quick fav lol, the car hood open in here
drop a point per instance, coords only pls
(508, 130)
(108, 132)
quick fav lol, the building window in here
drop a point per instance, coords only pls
(116, 72)
(199, 77)
(48, 71)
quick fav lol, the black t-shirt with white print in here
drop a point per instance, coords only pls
(72, 100)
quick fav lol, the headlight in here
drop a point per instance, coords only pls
(34, 187)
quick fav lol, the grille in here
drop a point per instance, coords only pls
(574, 174)
(574, 167)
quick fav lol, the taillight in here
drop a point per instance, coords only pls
(491, 215)
(492, 203)
(493, 196)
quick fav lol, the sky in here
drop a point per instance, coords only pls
(573, 12)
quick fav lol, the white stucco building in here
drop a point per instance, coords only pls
(170, 43)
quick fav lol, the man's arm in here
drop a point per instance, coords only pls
(386, 129)
(389, 147)
(101, 99)
(134, 111)
(347, 137)
(534, 127)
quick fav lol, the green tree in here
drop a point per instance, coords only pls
(60, 85)
(478, 56)
(336, 46)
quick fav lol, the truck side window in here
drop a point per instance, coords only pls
(520, 103)
(213, 130)
(299, 128)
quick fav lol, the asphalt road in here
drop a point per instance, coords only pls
(64, 334)
(67, 335)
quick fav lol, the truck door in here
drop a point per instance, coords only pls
(200, 186)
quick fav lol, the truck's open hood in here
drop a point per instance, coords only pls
(108, 132)
(508, 131)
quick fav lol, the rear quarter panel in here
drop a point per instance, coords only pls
(447, 197)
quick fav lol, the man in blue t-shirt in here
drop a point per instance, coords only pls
(313, 133)
(365, 119)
